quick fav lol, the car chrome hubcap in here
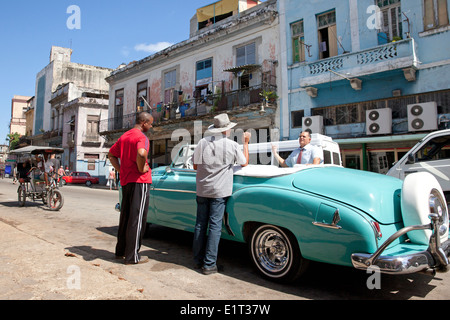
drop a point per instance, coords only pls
(272, 250)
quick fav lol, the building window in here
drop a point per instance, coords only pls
(435, 14)
(53, 121)
(141, 97)
(72, 124)
(92, 128)
(328, 42)
(170, 81)
(246, 54)
(118, 110)
(91, 159)
(356, 112)
(297, 117)
(391, 20)
(204, 72)
(298, 42)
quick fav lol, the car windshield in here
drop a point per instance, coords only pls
(435, 149)
(184, 157)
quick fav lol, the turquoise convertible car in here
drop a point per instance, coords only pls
(325, 213)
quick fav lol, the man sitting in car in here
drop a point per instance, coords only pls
(305, 154)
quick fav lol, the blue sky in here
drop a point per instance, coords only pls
(111, 32)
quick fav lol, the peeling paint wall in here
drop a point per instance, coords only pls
(59, 71)
(219, 45)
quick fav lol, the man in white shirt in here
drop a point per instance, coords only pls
(305, 154)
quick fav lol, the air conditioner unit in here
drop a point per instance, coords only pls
(422, 116)
(379, 121)
(314, 123)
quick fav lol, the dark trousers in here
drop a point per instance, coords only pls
(133, 218)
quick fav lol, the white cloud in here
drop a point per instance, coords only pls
(125, 51)
(152, 48)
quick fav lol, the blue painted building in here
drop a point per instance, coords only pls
(372, 74)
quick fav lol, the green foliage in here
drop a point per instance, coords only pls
(13, 140)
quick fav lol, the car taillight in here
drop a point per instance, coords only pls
(377, 229)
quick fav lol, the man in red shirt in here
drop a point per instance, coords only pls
(135, 177)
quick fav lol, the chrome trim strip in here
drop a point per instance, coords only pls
(174, 190)
(326, 225)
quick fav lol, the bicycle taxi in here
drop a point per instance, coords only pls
(32, 181)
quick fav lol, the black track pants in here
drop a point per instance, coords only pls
(133, 218)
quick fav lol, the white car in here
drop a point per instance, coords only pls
(431, 154)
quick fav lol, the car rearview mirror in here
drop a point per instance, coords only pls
(411, 159)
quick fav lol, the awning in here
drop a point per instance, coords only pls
(243, 69)
(217, 9)
(37, 150)
(382, 139)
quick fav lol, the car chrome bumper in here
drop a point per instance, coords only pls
(430, 261)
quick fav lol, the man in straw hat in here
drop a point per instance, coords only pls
(214, 158)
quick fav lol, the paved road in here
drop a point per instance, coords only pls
(70, 255)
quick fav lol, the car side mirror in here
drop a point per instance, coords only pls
(411, 159)
(168, 169)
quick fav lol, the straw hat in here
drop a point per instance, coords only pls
(221, 123)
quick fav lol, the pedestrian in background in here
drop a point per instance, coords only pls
(61, 173)
(135, 177)
(112, 179)
(214, 159)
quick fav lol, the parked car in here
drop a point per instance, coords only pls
(431, 154)
(325, 213)
(80, 178)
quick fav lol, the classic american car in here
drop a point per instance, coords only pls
(325, 213)
(80, 178)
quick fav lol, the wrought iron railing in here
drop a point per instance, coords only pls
(193, 107)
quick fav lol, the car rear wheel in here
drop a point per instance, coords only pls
(276, 254)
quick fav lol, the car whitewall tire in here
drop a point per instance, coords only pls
(421, 196)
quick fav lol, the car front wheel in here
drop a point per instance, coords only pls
(88, 183)
(276, 254)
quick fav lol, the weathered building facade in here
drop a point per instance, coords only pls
(372, 74)
(18, 118)
(227, 65)
(70, 101)
(76, 114)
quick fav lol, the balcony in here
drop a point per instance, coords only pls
(91, 140)
(190, 109)
(391, 56)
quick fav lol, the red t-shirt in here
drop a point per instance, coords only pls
(126, 150)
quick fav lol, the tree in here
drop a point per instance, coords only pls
(13, 140)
